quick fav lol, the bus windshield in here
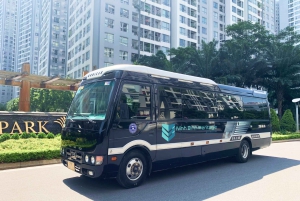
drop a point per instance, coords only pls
(91, 101)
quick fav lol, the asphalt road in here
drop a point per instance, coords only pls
(271, 174)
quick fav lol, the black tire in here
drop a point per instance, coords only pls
(244, 152)
(136, 163)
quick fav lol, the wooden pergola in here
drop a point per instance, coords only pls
(25, 81)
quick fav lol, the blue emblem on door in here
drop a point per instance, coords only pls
(168, 131)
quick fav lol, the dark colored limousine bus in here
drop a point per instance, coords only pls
(127, 121)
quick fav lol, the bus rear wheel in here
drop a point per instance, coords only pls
(244, 152)
(132, 170)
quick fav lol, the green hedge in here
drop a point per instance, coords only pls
(276, 137)
(28, 155)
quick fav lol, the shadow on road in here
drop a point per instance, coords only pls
(196, 182)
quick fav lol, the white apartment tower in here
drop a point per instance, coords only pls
(53, 37)
(28, 32)
(184, 23)
(8, 27)
(104, 33)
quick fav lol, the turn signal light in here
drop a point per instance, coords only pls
(99, 160)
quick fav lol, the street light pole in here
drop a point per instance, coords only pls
(296, 101)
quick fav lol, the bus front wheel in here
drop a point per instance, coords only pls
(132, 170)
(244, 152)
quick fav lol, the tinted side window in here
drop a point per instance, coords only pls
(229, 106)
(198, 104)
(255, 108)
(170, 103)
(134, 102)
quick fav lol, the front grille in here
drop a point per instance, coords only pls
(74, 155)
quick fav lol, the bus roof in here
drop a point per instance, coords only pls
(242, 91)
(151, 71)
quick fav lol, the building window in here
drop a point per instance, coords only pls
(181, 43)
(124, 13)
(182, 31)
(125, 2)
(166, 38)
(215, 5)
(123, 55)
(109, 23)
(182, 19)
(109, 37)
(166, 13)
(124, 27)
(87, 55)
(204, 30)
(182, 8)
(135, 17)
(109, 52)
(204, 20)
(123, 41)
(165, 25)
(110, 8)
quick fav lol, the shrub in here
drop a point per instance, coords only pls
(50, 135)
(25, 135)
(15, 136)
(275, 121)
(4, 137)
(33, 135)
(42, 135)
(287, 122)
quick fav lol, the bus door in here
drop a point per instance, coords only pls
(168, 118)
(134, 117)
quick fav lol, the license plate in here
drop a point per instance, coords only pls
(71, 165)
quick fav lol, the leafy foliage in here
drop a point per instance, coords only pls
(13, 105)
(287, 122)
(275, 121)
(15, 136)
(4, 137)
(42, 135)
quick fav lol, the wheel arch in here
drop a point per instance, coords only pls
(145, 151)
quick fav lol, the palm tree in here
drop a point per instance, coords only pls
(282, 66)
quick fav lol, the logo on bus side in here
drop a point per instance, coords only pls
(168, 131)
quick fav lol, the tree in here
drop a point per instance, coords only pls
(282, 65)
(13, 105)
(241, 56)
(2, 107)
(45, 100)
(159, 61)
(195, 62)
(287, 123)
(275, 121)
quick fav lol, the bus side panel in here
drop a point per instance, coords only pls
(261, 143)
(221, 150)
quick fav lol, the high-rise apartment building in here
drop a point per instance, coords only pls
(184, 31)
(103, 33)
(289, 14)
(28, 32)
(8, 27)
(53, 37)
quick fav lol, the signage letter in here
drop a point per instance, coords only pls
(17, 128)
(27, 127)
(42, 127)
(3, 127)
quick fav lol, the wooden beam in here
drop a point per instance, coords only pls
(52, 80)
(38, 85)
(10, 82)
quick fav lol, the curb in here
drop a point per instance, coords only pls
(6, 166)
(290, 140)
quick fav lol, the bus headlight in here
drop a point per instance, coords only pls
(93, 160)
(86, 158)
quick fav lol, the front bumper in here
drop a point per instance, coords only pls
(84, 169)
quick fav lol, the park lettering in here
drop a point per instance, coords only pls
(29, 127)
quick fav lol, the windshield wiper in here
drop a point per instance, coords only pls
(85, 117)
